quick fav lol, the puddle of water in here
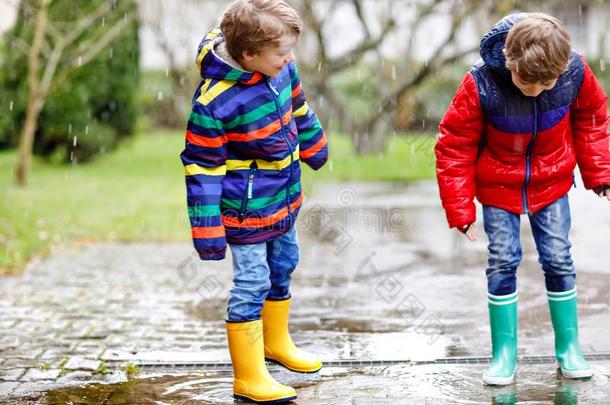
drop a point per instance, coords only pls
(402, 281)
(447, 384)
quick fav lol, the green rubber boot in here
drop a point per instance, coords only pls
(564, 316)
(503, 322)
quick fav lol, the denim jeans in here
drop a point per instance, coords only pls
(550, 227)
(261, 271)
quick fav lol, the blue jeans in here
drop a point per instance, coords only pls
(261, 271)
(550, 227)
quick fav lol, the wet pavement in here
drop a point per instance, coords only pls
(392, 300)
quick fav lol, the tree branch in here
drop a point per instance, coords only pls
(424, 12)
(87, 21)
(387, 103)
(359, 12)
(110, 35)
(357, 53)
(316, 25)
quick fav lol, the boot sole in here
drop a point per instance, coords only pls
(499, 380)
(577, 373)
(293, 369)
(271, 401)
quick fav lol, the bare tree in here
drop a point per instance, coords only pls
(173, 26)
(56, 50)
(371, 131)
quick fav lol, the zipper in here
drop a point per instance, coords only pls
(528, 157)
(247, 192)
(279, 110)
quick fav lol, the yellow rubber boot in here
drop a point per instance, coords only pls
(252, 381)
(278, 344)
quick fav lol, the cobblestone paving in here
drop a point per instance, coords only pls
(80, 316)
(91, 313)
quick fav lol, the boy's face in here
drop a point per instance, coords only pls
(270, 61)
(531, 89)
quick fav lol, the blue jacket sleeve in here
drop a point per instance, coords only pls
(204, 159)
(312, 139)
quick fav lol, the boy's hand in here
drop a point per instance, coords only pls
(470, 231)
(603, 191)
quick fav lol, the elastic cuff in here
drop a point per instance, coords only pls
(243, 321)
(500, 300)
(213, 255)
(283, 298)
(464, 229)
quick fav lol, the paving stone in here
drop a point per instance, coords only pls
(34, 374)
(77, 376)
(80, 363)
(16, 363)
(12, 374)
(6, 387)
(26, 352)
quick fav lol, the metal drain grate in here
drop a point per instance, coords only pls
(211, 366)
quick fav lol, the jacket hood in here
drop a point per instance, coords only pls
(212, 66)
(493, 42)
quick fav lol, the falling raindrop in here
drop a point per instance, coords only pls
(74, 141)
(602, 65)
(125, 19)
(330, 165)
(80, 61)
(87, 130)
(160, 96)
(103, 22)
(10, 106)
(70, 128)
(110, 52)
(580, 9)
(319, 66)
(394, 72)
(166, 72)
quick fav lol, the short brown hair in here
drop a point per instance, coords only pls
(252, 25)
(538, 48)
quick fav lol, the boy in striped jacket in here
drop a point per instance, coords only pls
(249, 129)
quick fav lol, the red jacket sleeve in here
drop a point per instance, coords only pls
(590, 128)
(456, 153)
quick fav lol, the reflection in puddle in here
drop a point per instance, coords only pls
(404, 287)
(448, 384)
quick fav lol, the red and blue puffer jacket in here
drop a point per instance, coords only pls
(245, 137)
(515, 152)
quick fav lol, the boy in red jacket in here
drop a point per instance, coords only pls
(521, 120)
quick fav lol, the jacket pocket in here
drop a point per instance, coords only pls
(247, 191)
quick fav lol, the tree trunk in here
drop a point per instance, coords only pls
(26, 140)
(36, 97)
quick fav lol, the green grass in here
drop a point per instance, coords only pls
(408, 158)
(137, 193)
